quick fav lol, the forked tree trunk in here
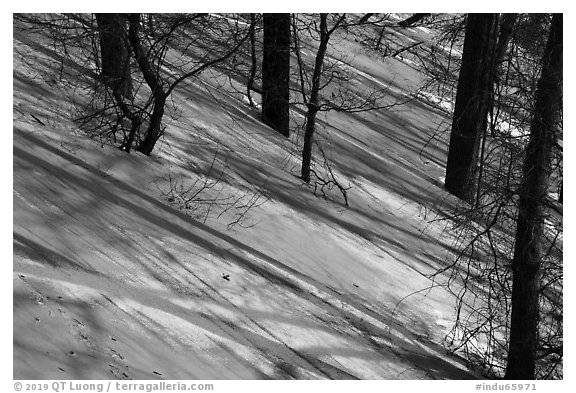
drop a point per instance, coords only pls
(276, 72)
(153, 81)
(115, 53)
(313, 102)
(529, 232)
(473, 100)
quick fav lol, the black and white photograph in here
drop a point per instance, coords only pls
(220, 196)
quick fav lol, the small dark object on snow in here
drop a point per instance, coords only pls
(226, 277)
(355, 285)
(157, 373)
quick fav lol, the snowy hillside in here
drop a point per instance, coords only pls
(113, 279)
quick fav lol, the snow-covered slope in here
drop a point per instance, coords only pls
(111, 280)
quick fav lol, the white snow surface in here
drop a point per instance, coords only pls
(110, 281)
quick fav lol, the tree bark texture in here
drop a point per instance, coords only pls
(115, 53)
(473, 100)
(529, 231)
(276, 72)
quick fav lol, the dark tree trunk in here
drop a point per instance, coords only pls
(276, 72)
(473, 100)
(115, 53)
(153, 81)
(308, 142)
(528, 247)
(313, 102)
(155, 130)
(507, 22)
(254, 62)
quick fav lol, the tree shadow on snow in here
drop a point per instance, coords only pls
(110, 190)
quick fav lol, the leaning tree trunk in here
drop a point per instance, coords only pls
(473, 100)
(155, 130)
(313, 101)
(153, 81)
(529, 232)
(115, 53)
(276, 72)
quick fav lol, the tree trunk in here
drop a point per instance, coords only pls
(115, 53)
(313, 102)
(276, 72)
(506, 28)
(528, 247)
(155, 130)
(153, 81)
(308, 143)
(473, 100)
(254, 63)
